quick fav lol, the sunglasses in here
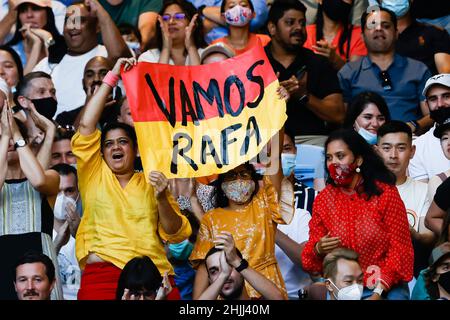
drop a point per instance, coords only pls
(386, 82)
(177, 16)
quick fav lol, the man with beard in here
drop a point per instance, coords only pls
(316, 99)
(34, 277)
(429, 159)
(83, 21)
(227, 270)
(399, 80)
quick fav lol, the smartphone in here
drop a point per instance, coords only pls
(299, 74)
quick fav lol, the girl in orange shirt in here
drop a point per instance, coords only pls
(237, 15)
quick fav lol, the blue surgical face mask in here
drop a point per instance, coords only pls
(370, 137)
(181, 251)
(288, 163)
(399, 7)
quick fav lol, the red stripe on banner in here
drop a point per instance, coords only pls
(161, 92)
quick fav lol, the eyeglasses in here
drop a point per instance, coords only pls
(232, 175)
(177, 16)
(386, 82)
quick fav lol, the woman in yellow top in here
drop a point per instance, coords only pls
(250, 211)
(123, 215)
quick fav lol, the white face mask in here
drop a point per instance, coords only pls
(60, 205)
(353, 292)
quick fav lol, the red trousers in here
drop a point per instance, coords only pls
(99, 282)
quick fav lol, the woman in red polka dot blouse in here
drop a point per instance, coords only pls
(361, 209)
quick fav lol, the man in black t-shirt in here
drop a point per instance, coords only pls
(422, 42)
(316, 100)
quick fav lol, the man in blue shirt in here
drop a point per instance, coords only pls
(399, 80)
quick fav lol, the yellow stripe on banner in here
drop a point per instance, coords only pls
(180, 151)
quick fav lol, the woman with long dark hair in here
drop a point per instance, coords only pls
(333, 36)
(367, 112)
(180, 35)
(361, 209)
(11, 69)
(36, 35)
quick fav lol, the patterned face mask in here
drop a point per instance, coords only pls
(238, 16)
(238, 190)
(342, 174)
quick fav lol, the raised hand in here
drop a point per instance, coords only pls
(95, 7)
(283, 93)
(5, 131)
(28, 34)
(159, 182)
(62, 236)
(44, 35)
(164, 289)
(329, 51)
(295, 87)
(225, 241)
(166, 39)
(127, 64)
(327, 244)
(129, 296)
(39, 120)
(73, 218)
(189, 33)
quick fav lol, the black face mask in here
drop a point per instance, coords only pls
(46, 106)
(337, 10)
(444, 281)
(440, 115)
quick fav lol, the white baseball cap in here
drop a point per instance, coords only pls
(442, 79)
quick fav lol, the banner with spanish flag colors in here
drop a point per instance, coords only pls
(194, 121)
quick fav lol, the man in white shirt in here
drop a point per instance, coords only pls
(80, 32)
(67, 212)
(429, 160)
(396, 149)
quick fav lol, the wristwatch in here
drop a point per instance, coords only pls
(20, 143)
(378, 291)
(304, 99)
(242, 266)
(49, 42)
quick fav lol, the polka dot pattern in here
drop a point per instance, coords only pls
(377, 229)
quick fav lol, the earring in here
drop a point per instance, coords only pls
(358, 170)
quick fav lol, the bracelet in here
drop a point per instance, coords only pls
(111, 79)
(49, 42)
(242, 266)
